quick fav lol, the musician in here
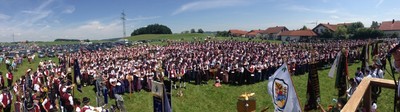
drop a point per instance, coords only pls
(205, 73)
(118, 91)
(67, 100)
(77, 105)
(46, 104)
(9, 77)
(36, 106)
(18, 99)
(1, 81)
(251, 74)
(86, 105)
(5, 98)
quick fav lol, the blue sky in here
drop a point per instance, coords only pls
(46, 20)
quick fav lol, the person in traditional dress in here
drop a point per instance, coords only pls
(77, 105)
(6, 100)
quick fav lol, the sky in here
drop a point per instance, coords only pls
(46, 20)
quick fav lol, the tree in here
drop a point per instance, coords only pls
(394, 35)
(304, 28)
(374, 25)
(341, 32)
(354, 26)
(185, 32)
(192, 31)
(152, 29)
(222, 34)
(200, 31)
(365, 33)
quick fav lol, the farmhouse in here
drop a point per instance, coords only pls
(390, 27)
(273, 32)
(237, 33)
(297, 35)
(254, 33)
(321, 28)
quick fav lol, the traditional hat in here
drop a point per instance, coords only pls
(85, 100)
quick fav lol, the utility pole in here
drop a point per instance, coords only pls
(13, 37)
(123, 22)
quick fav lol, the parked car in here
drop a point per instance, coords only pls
(51, 54)
(42, 55)
(11, 54)
(60, 53)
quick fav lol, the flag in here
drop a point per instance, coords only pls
(341, 75)
(334, 65)
(282, 91)
(77, 75)
(312, 88)
(167, 104)
(375, 50)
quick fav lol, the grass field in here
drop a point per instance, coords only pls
(206, 98)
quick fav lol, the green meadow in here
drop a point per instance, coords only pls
(207, 98)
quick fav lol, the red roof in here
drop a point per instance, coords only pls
(254, 32)
(276, 29)
(309, 33)
(237, 32)
(330, 26)
(390, 25)
(333, 26)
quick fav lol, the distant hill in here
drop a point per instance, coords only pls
(70, 40)
(159, 37)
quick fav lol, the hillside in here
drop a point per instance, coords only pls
(157, 37)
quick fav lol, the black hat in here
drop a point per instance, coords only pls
(85, 100)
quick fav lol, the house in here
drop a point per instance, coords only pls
(237, 33)
(273, 32)
(321, 28)
(390, 27)
(297, 35)
(254, 33)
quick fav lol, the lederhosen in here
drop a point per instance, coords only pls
(231, 73)
(250, 76)
(258, 73)
(183, 78)
(206, 74)
(197, 75)
(241, 77)
(189, 74)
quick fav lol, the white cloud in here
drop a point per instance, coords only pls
(140, 18)
(69, 10)
(306, 9)
(4, 17)
(36, 14)
(208, 4)
(379, 3)
(334, 17)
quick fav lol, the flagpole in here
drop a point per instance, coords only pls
(294, 88)
(389, 57)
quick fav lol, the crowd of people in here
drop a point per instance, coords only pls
(122, 70)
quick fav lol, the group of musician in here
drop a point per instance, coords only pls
(231, 62)
(123, 70)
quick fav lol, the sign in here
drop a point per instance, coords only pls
(157, 88)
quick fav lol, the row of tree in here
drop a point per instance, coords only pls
(193, 31)
(152, 29)
(354, 31)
